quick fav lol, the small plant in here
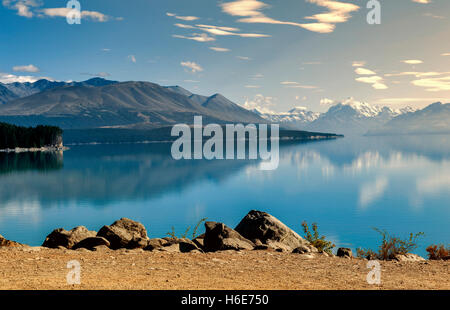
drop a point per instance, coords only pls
(391, 246)
(438, 252)
(173, 235)
(318, 242)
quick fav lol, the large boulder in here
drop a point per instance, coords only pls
(8, 243)
(125, 233)
(262, 226)
(219, 237)
(90, 243)
(61, 237)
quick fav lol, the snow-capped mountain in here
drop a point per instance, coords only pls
(435, 118)
(296, 118)
(349, 117)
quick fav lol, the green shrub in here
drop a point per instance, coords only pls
(318, 242)
(172, 234)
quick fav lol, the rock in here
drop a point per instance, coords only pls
(67, 239)
(302, 250)
(219, 237)
(199, 241)
(167, 244)
(100, 248)
(125, 233)
(258, 225)
(91, 242)
(156, 243)
(344, 252)
(8, 243)
(408, 258)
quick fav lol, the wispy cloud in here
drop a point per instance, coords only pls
(219, 49)
(376, 81)
(412, 61)
(290, 84)
(243, 58)
(434, 84)
(199, 37)
(358, 64)
(250, 11)
(364, 71)
(192, 66)
(261, 103)
(12, 78)
(28, 68)
(221, 31)
(185, 18)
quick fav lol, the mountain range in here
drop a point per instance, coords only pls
(351, 117)
(99, 103)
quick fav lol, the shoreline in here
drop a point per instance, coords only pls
(260, 253)
(35, 149)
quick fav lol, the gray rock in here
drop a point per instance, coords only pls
(61, 237)
(258, 225)
(344, 252)
(91, 242)
(219, 237)
(125, 233)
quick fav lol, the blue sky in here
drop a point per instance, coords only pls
(274, 55)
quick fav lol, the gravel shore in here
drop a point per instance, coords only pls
(41, 268)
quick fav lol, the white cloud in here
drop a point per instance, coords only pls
(202, 37)
(23, 7)
(252, 86)
(249, 11)
(376, 81)
(445, 54)
(28, 68)
(364, 71)
(192, 66)
(219, 49)
(358, 64)
(412, 61)
(260, 103)
(243, 58)
(185, 18)
(326, 101)
(11, 78)
(434, 84)
(290, 84)
(422, 1)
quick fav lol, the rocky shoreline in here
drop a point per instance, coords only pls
(257, 231)
(35, 149)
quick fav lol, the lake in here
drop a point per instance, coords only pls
(348, 186)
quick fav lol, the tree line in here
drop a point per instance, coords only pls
(12, 136)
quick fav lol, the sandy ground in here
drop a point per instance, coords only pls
(38, 268)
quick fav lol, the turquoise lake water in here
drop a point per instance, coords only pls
(348, 186)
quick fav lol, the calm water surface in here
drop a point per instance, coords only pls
(347, 186)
